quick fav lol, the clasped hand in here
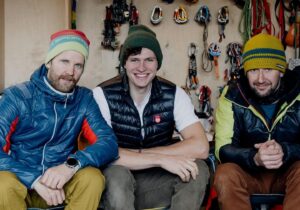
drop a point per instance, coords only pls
(184, 167)
(50, 185)
(269, 154)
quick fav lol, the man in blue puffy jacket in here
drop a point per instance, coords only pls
(40, 164)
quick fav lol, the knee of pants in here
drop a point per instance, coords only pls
(120, 184)
(90, 178)
(118, 177)
(226, 174)
(203, 176)
(10, 183)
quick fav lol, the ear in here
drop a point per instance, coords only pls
(281, 74)
(48, 65)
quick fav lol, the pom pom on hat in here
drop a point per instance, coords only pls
(68, 40)
(141, 36)
(264, 51)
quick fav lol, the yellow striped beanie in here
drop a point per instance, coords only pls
(69, 39)
(264, 51)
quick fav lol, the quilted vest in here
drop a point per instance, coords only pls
(158, 118)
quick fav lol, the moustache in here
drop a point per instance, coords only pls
(69, 78)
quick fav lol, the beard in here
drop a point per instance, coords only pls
(269, 97)
(59, 84)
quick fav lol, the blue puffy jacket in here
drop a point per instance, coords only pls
(39, 129)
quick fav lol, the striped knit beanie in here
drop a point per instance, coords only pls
(68, 40)
(264, 51)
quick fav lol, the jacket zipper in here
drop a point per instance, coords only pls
(54, 129)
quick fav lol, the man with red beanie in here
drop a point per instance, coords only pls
(40, 164)
(258, 129)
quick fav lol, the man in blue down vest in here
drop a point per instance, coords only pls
(143, 109)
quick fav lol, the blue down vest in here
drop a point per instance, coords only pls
(158, 118)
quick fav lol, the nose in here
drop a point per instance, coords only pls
(70, 69)
(261, 76)
(141, 65)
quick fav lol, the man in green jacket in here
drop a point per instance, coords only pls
(258, 129)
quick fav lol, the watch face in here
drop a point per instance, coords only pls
(72, 162)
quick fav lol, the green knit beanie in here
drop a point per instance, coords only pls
(141, 36)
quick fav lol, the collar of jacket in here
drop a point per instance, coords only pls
(38, 79)
(156, 90)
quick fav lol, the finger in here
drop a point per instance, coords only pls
(187, 174)
(60, 184)
(44, 178)
(181, 175)
(193, 169)
(62, 193)
(59, 197)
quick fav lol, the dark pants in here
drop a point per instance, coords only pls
(153, 188)
(234, 185)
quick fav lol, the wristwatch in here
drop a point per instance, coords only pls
(72, 163)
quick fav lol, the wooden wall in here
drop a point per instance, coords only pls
(29, 23)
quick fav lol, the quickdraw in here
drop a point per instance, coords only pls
(203, 18)
(214, 52)
(133, 14)
(180, 15)
(223, 19)
(192, 80)
(204, 101)
(156, 15)
(109, 40)
(234, 56)
(73, 14)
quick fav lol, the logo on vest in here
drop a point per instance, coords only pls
(157, 118)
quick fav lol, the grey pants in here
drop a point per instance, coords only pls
(153, 188)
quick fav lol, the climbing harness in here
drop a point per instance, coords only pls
(203, 15)
(214, 52)
(180, 15)
(192, 80)
(133, 14)
(156, 15)
(223, 19)
(73, 14)
(234, 56)
(203, 18)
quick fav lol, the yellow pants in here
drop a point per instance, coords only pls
(83, 192)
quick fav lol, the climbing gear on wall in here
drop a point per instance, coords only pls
(204, 101)
(223, 19)
(120, 11)
(133, 14)
(203, 15)
(156, 15)
(214, 52)
(234, 56)
(73, 14)
(203, 18)
(109, 40)
(191, 1)
(192, 80)
(180, 15)
(169, 1)
(256, 17)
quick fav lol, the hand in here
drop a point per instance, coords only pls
(51, 196)
(184, 167)
(269, 154)
(56, 177)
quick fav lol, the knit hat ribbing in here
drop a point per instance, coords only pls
(68, 40)
(141, 36)
(264, 51)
